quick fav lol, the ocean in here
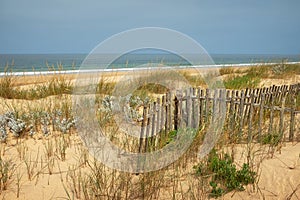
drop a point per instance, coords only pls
(69, 62)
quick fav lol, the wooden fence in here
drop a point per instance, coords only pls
(250, 114)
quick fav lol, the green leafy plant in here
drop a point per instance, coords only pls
(224, 175)
(216, 191)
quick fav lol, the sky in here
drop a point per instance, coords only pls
(220, 26)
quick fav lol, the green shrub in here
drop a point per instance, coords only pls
(224, 175)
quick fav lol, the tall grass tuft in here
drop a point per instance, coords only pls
(7, 85)
(241, 82)
(7, 169)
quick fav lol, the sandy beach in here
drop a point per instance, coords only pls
(149, 100)
(58, 166)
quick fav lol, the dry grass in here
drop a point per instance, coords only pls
(57, 164)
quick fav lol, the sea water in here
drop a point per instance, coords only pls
(69, 62)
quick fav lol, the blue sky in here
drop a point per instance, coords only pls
(220, 26)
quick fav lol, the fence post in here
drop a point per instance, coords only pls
(246, 102)
(170, 113)
(200, 93)
(158, 110)
(256, 92)
(207, 100)
(215, 107)
(292, 122)
(169, 108)
(232, 114)
(149, 119)
(167, 114)
(281, 123)
(267, 95)
(153, 123)
(261, 115)
(163, 114)
(241, 113)
(196, 100)
(250, 117)
(223, 106)
(271, 114)
(176, 112)
(158, 118)
(189, 107)
(143, 128)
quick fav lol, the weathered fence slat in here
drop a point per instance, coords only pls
(149, 119)
(292, 122)
(241, 113)
(201, 99)
(163, 114)
(271, 114)
(250, 131)
(232, 114)
(215, 106)
(207, 101)
(195, 109)
(153, 127)
(144, 124)
(169, 111)
(261, 115)
(281, 120)
(189, 107)
(254, 111)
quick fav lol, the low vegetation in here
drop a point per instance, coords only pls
(40, 146)
(223, 175)
(237, 78)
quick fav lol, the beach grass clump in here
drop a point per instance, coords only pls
(194, 80)
(284, 69)
(57, 85)
(7, 169)
(105, 86)
(250, 78)
(7, 89)
(241, 82)
(227, 70)
(275, 71)
(223, 174)
(271, 139)
(261, 71)
(293, 69)
(153, 88)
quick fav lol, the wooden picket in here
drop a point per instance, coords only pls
(250, 114)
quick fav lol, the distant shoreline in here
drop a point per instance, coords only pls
(87, 71)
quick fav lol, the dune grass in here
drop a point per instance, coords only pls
(253, 76)
(63, 156)
(235, 78)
